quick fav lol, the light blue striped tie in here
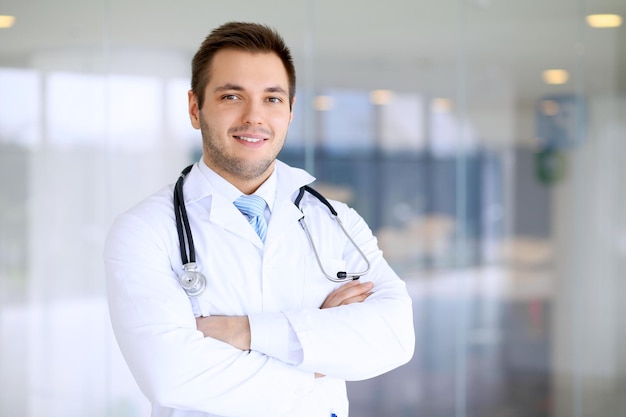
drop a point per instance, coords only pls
(253, 207)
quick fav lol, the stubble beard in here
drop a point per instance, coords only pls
(221, 161)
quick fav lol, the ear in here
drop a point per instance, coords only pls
(194, 109)
(293, 103)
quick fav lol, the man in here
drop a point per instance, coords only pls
(270, 335)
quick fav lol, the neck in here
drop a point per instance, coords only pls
(246, 184)
(247, 187)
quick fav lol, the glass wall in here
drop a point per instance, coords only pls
(481, 140)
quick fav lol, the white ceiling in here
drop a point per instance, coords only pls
(436, 47)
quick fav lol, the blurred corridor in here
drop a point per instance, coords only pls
(483, 141)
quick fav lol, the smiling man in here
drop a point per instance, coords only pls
(245, 114)
(224, 301)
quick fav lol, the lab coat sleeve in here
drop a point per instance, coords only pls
(359, 340)
(174, 365)
(272, 334)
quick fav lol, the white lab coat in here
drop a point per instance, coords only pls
(186, 374)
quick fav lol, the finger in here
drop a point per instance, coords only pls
(347, 292)
(348, 285)
(356, 299)
(336, 298)
(353, 290)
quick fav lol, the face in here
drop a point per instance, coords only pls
(245, 116)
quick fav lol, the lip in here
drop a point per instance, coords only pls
(251, 138)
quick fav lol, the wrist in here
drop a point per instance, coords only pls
(232, 330)
(241, 335)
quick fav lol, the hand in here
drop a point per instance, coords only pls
(232, 330)
(352, 292)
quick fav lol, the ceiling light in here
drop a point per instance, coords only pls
(555, 76)
(6, 21)
(604, 20)
(381, 97)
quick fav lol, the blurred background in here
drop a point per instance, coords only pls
(481, 139)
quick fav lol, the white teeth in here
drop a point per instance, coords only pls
(253, 140)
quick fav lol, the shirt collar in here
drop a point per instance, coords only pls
(221, 186)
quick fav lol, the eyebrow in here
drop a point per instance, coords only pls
(236, 87)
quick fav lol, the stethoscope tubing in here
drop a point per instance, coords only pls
(194, 283)
(180, 212)
(342, 276)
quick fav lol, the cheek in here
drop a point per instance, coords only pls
(281, 122)
(219, 122)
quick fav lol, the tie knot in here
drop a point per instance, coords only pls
(251, 205)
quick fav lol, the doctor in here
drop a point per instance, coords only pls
(269, 335)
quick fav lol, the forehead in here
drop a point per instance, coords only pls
(247, 69)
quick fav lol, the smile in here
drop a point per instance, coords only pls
(252, 140)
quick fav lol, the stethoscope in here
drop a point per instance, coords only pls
(194, 282)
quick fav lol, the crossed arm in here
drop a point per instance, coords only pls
(235, 330)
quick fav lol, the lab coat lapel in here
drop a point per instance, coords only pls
(285, 214)
(284, 217)
(224, 214)
(217, 209)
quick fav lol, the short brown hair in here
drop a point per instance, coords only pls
(251, 37)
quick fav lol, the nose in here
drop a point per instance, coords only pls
(253, 113)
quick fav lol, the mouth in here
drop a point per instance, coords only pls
(249, 139)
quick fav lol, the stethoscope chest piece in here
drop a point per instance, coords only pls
(192, 281)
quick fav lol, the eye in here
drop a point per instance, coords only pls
(230, 97)
(275, 99)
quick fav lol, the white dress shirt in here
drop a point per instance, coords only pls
(278, 285)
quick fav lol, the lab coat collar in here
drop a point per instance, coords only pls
(221, 211)
(285, 212)
(290, 180)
